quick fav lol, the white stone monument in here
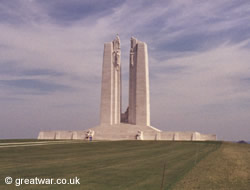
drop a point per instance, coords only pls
(134, 124)
(113, 124)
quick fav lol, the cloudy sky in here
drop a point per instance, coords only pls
(51, 58)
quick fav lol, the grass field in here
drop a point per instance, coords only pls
(130, 165)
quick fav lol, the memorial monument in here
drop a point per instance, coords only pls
(134, 124)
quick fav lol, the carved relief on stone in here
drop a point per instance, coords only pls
(117, 53)
(132, 51)
(132, 57)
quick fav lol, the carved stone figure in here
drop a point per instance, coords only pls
(90, 134)
(139, 135)
(116, 52)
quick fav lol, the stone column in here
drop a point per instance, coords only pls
(142, 86)
(139, 105)
(111, 87)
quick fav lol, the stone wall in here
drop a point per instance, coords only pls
(59, 135)
(126, 132)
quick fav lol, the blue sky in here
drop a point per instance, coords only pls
(51, 58)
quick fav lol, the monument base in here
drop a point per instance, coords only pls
(126, 132)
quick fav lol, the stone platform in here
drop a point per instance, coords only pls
(127, 132)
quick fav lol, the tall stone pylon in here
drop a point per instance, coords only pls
(111, 84)
(139, 103)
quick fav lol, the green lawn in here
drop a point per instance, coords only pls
(130, 165)
(228, 168)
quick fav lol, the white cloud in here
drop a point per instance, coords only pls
(209, 81)
(209, 89)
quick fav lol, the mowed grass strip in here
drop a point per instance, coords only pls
(228, 168)
(19, 140)
(36, 143)
(136, 165)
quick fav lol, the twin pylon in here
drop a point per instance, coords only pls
(138, 111)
